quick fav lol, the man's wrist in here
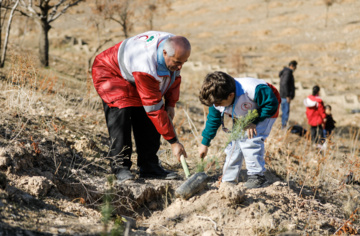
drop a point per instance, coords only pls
(173, 140)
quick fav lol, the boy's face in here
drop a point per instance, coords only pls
(226, 102)
(328, 111)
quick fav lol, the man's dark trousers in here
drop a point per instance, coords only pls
(147, 139)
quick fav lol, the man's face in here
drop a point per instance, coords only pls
(226, 102)
(293, 67)
(176, 62)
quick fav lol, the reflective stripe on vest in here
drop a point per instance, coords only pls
(154, 107)
(129, 76)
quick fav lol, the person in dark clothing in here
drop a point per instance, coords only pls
(287, 91)
(329, 125)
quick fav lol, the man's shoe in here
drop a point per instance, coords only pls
(124, 174)
(255, 181)
(157, 172)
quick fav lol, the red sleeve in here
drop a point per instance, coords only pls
(150, 94)
(173, 93)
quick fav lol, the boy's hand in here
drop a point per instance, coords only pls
(203, 151)
(251, 131)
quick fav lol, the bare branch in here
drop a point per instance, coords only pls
(54, 17)
(8, 33)
(55, 8)
(30, 8)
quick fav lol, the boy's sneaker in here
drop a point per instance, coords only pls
(124, 174)
(255, 181)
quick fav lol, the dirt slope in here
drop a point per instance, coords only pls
(53, 138)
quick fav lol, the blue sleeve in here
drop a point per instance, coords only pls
(213, 123)
(267, 102)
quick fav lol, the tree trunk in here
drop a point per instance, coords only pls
(326, 17)
(0, 25)
(44, 42)
(2, 61)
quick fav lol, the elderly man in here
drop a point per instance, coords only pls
(132, 78)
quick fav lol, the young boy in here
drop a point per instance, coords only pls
(329, 125)
(235, 97)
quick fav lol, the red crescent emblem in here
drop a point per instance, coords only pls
(246, 106)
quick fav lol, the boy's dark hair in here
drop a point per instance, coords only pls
(328, 106)
(293, 63)
(316, 90)
(216, 87)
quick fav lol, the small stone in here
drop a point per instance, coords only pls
(209, 233)
(62, 230)
(292, 226)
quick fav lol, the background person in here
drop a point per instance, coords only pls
(235, 97)
(287, 91)
(329, 125)
(315, 114)
(132, 78)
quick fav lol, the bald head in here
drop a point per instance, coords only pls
(176, 52)
(175, 43)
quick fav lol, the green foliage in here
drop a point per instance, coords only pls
(240, 126)
(107, 210)
(208, 165)
(200, 167)
(119, 226)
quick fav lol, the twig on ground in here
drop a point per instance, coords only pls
(22, 128)
(208, 218)
(172, 230)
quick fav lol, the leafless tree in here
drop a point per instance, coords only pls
(119, 11)
(4, 9)
(3, 55)
(328, 4)
(155, 7)
(45, 12)
(267, 7)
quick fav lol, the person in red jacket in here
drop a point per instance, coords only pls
(138, 80)
(315, 114)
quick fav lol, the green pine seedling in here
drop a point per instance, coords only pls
(238, 130)
(209, 164)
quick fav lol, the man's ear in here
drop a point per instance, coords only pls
(164, 53)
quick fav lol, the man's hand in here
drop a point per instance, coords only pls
(251, 131)
(171, 112)
(203, 151)
(288, 99)
(178, 150)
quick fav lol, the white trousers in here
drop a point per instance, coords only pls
(252, 150)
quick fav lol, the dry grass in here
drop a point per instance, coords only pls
(33, 94)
